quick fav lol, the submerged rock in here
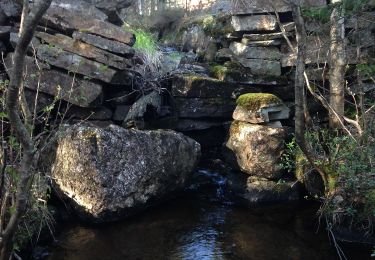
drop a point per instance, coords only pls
(257, 190)
(258, 148)
(110, 173)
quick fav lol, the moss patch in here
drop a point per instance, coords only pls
(218, 71)
(255, 101)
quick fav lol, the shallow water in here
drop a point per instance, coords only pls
(204, 223)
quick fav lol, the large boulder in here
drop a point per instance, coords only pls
(258, 148)
(110, 173)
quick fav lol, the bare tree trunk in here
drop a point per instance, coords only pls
(299, 92)
(20, 130)
(337, 65)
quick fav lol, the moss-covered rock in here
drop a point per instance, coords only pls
(255, 101)
(260, 108)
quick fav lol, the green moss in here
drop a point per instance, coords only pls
(331, 176)
(254, 101)
(198, 78)
(218, 71)
(301, 163)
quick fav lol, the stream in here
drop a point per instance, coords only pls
(205, 223)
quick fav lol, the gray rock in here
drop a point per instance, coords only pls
(5, 32)
(250, 43)
(82, 7)
(121, 112)
(61, 85)
(41, 100)
(264, 114)
(259, 190)
(193, 86)
(111, 173)
(184, 125)
(258, 148)
(254, 23)
(105, 44)
(224, 54)
(111, 5)
(3, 48)
(262, 67)
(85, 50)
(204, 107)
(266, 6)
(149, 103)
(77, 64)
(69, 21)
(14, 38)
(195, 39)
(11, 8)
(265, 37)
(97, 113)
(247, 52)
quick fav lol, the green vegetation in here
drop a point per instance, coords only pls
(323, 14)
(255, 101)
(145, 41)
(219, 71)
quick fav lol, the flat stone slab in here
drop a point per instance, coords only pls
(276, 42)
(69, 21)
(4, 32)
(77, 64)
(97, 113)
(85, 50)
(262, 67)
(192, 86)
(80, 6)
(60, 85)
(269, 113)
(105, 44)
(249, 52)
(204, 107)
(264, 37)
(254, 23)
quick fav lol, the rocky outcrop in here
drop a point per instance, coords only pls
(109, 173)
(76, 56)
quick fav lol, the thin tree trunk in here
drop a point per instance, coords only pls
(299, 91)
(21, 132)
(337, 65)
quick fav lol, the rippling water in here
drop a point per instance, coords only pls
(204, 224)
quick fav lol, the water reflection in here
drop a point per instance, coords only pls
(199, 226)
